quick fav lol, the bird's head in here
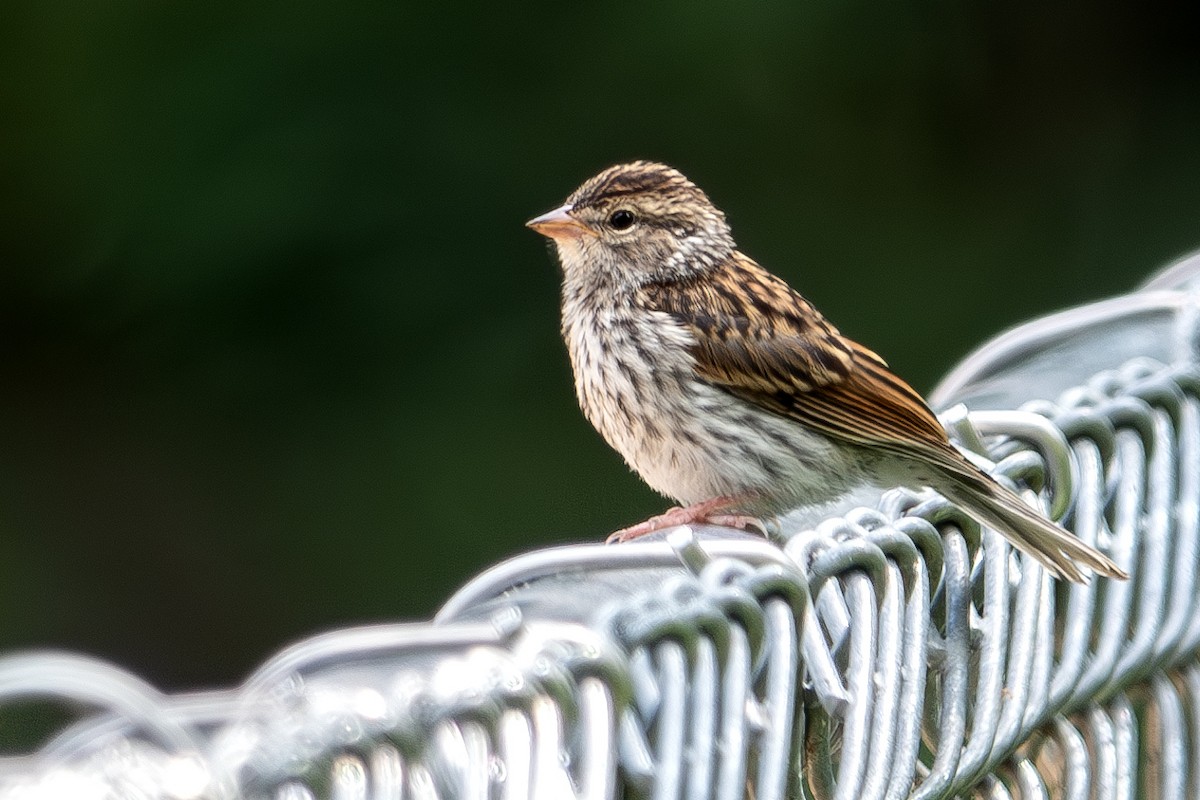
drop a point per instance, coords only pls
(635, 224)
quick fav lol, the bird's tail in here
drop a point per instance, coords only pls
(989, 503)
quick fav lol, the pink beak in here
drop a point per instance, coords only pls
(559, 224)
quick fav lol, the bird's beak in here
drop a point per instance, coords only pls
(559, 224)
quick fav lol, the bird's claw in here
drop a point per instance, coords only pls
(691, 515)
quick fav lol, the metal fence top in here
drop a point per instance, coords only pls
(1045, 357)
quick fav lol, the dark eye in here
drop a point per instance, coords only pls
(621, 219)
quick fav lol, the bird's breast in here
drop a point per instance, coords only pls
(636, 383)
(630, 370)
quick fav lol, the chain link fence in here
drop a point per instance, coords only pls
(895, 651)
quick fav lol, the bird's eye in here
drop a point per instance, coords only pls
(621, 219)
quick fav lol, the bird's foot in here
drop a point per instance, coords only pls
(705, 512)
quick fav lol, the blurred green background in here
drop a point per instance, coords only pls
(277, 355)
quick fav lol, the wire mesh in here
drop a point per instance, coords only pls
(896, 651)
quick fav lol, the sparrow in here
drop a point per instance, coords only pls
(723, 388)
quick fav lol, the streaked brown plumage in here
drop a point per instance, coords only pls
(726, 390)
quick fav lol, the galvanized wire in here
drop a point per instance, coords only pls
(896, 651)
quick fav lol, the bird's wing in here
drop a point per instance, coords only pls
(761, 341)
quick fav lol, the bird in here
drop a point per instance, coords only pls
(729, 392)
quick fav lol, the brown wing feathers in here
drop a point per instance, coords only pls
(763, 342)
